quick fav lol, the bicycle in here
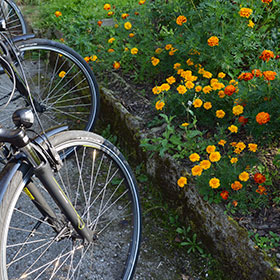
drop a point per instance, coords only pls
(63, 86)
(69, 205)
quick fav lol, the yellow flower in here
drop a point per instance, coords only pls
(252, 147)
(131, 35)
(181, 89)
(194, 157)
(155, 61)
(214, 183)
(111, 40)
(215, 156)
(168, 47)
(173, 50)
(206, 89)
(220, 114)
(197, 103)
(181, 19)
(87, 58)
(222, 142)
(197, 170)
(207, 105)
(134, 51)
(198, 88)
(221, 75)
(233, 129)
(245, 12)
(221, 94)
(233, 160)
(177, 66)
(58, 14)
(171, 80)
(210, 149)
(189, 62)
(213, 41)
(189, 85)
(205, 164)
(237, 110)
(156, 90)
(127, 25)
(107, 7)
(244, 176)
(207, 74)
(93, 58)
(240, 145)
(62, 74)
(182, 182)
(111, 50)
(165, 87)
(159, 105)
(185, 124)
(251, 24)
(110, 13)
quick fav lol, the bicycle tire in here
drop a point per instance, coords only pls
(15, 22)
(114, 209)
(61, 83)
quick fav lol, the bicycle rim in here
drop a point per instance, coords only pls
(14, 20)
(102, 189)
(61, 83)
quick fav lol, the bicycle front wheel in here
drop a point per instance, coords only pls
(62, 85)
(14, 19)
(99, 183)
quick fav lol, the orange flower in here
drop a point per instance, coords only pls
(252, 147)
(141, 2)
(257, 72)
(110, 13)
(261, 190)
(107, 7)
(197, 170)
(237, 110)
(262, 118)
(197, 103)
(267, 1)
(245, 12)
(207, 105)
(214, 183)
(244, 176)
(266, 55)
(246, 76)
(205, 164)
(234, 160)
(182, 182)
(171, 80)
(127, 25)
(234, 203)
(224, 195)
(155, 61)
(194, 157)
(181, 89)
(159, 105)
(233, 129)
(269, 75)
(210, 149)
(230, 90)
(213, 41)
(181, 19)
(99, 23)
(124, 16)
(62, 74)
(134, 51)
(259, 178)
(215, 156)
(116, 65)
(220, 114)
(58, 14)
(222, 142)
(236, 186)
(243, 120)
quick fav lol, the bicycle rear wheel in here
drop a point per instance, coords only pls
(61, 83)
(14, 19)
(102, 188)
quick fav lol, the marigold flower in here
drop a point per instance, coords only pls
(107, 7)
(221, 75)
(197, 103)
(221, 94)
(205, 164)
(198, 88)
(159, 105)
(237, 110)
(252, 147)
(222, 142)
(99, 23)
(251, 24)
(243, 120)
(230, 90)
(246, 76)
(172, 51)
(233, 129)
(194, 157)
(261, 190)
(156, 90)
(58, 14)
(185, 124)
(134, 51)
(267, 55)
(171, 80)
(267, 1)
(257, 73)
(269, 75)
(110, 13)
(220, 114)
(165, 87)
(240, 145)
(210, 149)
(127, 25)
(124, 16)
(197, 170)
(182, 182)
(224, 195)
(116, 65)
(111, 40)
(207, 75)
(262, 118)
(155, 61)
(87, 59)
(236, 186)
(234, 160)
(207, 105)
(176, 66)
(259, 178)
(181, 19)
(181, 89)
(244, 176)
(62, 74)
(215, 156)
(189, 62)
(111, 50)
(234, 203)
(189, 85)
(141, 2)
(131, 35)
(214, 183)
(245, 12)
(93, 58)
(206, 89)
(168, 47)
(213, 41)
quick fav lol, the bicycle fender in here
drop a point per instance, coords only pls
(49, 133)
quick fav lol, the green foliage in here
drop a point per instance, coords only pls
(266, 242)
